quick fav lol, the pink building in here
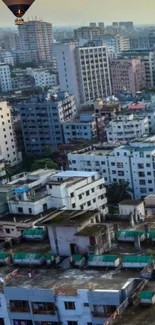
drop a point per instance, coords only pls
(127, 75)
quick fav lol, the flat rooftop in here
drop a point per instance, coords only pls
(68, 217)
(62, 279)
(130, 202)
(92, 230)
(71, 173)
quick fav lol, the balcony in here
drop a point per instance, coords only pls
(43, 308)
(100, 314)
(19, 306)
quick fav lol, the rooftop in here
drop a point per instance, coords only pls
(137, 106)
(92, 230)
(68, 217)
(67, 280)
(70, 173)
(130, 202)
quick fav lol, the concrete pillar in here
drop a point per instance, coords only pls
(135, 216)
(116, 228)
(109, 236)
(137, 242)
(132, 220)
(146, 228)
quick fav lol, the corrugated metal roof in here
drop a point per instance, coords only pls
(35, 231)
(103, 258)
(151, 233)
(137, 259)
(77, 258)
(146, 294)
(3, 255)
(129, 233)
(27, 256)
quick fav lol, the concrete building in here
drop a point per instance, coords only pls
(132, 163)
(136, 207)
(72, 233)
(101, 25)
(87, 32)
(25, 56)
(87, 126)
(64, 190)
(127, 75)
(83, 71)
(37, 35)
(2, 168)
(127, 127)
(6, 57)
(21, 80)
(42, 119)
(43, 77)
(8, 146)
(148, 57)
(5, 78)
(124, 43)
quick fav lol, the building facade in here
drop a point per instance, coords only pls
(126, 128)
(132, 163)
(5, 78)
(128, 74)
(8, 146)
(43, 77)
(42, 121)
(37, 35)
(84, 71)
(87, 32)
(64, 190)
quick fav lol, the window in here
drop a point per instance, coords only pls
(86, 304)
(92, 190)
(89, 203)
(87, 193)
(69, 304)
(20, 210)
(72, 194)
(148, 165)
(147, 156)
(112, 164)
(80, 196)
(7, 230)
(149, 181)
(30, 210)
(142, 182)
(73, 205)
(89, 323)
(140, 166)
(143, 190)
(149, 173)
(70, 322)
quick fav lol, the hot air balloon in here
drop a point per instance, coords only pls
(18, 8)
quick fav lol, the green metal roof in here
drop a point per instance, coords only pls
(103, 258)
(146, 294)
(35, 231)
(151, 233)
(49, 256)
(77, 258)
(25, 256)
(3, 255)
(129, 233)
(137, 259)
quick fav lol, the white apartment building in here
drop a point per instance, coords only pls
(126, 128)
(2, 168)
(133, 163)
(47, 189)
(83, 71)
(8, 146)
(5, 78)
(43, 77)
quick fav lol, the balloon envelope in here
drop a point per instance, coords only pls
(18, 7)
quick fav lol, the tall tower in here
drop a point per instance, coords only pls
(37, 35)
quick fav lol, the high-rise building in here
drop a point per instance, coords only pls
(42, 121)
(83, 71)
(101, 25)
(148, 57)
(5, 78)
(127, 74)
(8, 148)
(37, 35)
(92, 24)
(87, 32)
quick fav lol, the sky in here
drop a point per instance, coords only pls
(81, 12)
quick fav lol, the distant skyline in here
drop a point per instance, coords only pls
(82, 12)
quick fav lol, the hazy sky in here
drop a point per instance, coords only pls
(67, 12)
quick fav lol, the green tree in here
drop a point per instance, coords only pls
(47, 151)
(43, 163)
(117, 192)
